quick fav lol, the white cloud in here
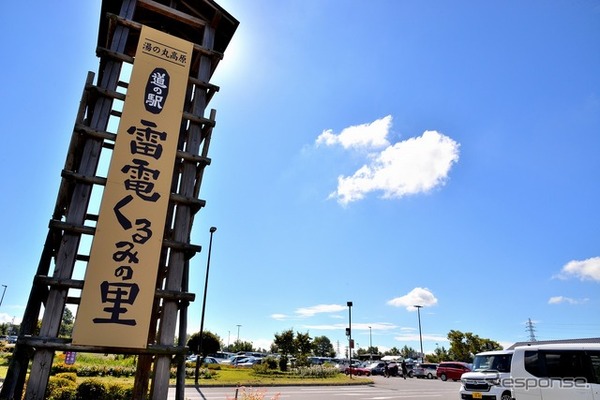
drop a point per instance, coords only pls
(376, 326)
(319, 309)
(415, 338)
(568, 300)
(262, 343)
(279, 317)
(328, 327)
(418, 296)
(415, 165)
(371, 135)
(585, 270)
(9, 319)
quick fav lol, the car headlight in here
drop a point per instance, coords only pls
(494, 381)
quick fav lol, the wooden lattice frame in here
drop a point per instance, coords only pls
(210, 28)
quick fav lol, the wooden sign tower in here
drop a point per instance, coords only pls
(174, 36)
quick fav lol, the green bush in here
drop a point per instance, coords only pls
(270, 362)
(61, 368)
(283, 364)
(91, 389)
(317, 371)
(117, 391)
(61, 388)
(67, 375)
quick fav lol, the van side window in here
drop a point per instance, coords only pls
(567, 365)
(595, 361)
(532, 363)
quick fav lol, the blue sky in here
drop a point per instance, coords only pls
(388, 153)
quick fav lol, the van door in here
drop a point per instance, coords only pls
(567, 375)
(594, 359)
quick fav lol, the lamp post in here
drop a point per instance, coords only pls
(349, 333)
(3, 292)
(199, 354)
(238, 336)
(370, 345)
(420, 335)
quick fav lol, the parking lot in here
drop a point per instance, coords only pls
(382, 389)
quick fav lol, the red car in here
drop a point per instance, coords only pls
(452, 370)
(358, 371)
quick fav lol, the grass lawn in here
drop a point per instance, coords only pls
(230, 376)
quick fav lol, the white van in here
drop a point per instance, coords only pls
(490, 370)
(556, 372)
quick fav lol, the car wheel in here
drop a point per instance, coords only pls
(410, 374)
(443, 377)
(506, 396)
(347, 372)
(429, 376)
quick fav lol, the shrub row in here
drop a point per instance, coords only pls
(94, 371)
(269, 367)
(64, 387)
(91, 371)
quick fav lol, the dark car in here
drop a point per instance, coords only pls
(377, 367)
(452, 370)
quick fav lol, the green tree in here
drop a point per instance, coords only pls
(392, 352)
(66, 325)
(240, 345)
(211, 343)
(408, 352)
(303, 344)
(322, 347)
(303, 347)
(284, 343)
(439, 354)
(374, 350)
(463, 346)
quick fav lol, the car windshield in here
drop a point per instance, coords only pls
(496, 362)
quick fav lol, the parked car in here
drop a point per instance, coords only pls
(377, 367)
(425, 370)
(358, 369)
(393, 369)
(248, 361)
(233, 359)
(490, 378)
(452, 370)
(342, 365)
(409, 368)
(206, 360)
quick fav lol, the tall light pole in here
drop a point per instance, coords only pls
(3, 292)
(238, 337)
(349, 333)
(420, 335)
(370, 345)
(199, 353)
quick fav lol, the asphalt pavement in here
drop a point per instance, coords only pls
(382, 389)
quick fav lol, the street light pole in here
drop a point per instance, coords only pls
(349, 304)
(370, 345)
(420, 335)
(238, 337)
(3, 292)
(199, 353)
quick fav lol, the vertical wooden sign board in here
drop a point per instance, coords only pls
(120, 279)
